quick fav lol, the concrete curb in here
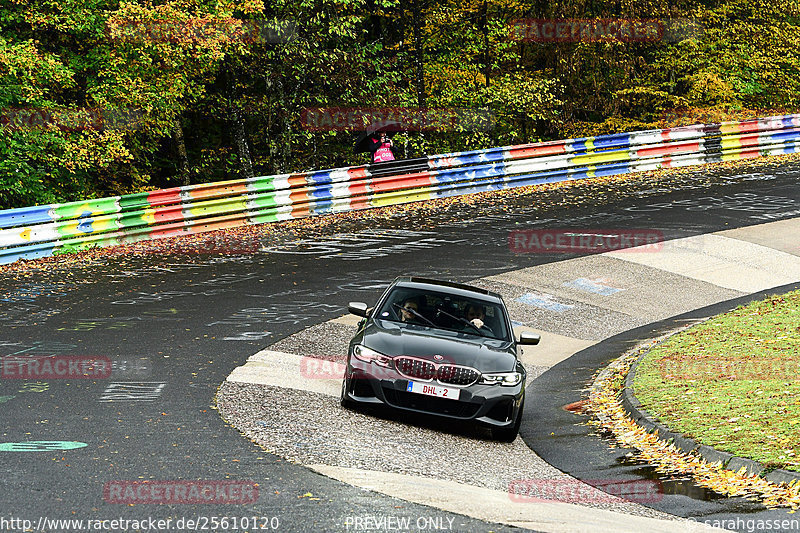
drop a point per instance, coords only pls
(687, 445)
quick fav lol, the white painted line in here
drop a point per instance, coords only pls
(279, 369)
(347, 320)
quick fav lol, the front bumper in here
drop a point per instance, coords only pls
(491, 405)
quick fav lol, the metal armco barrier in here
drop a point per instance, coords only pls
(42, 231)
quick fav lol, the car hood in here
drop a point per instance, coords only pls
(485, 354)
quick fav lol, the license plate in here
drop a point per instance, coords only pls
(433, 390)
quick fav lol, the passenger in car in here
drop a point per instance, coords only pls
(408, 316)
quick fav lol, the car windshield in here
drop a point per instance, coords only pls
(445, 311)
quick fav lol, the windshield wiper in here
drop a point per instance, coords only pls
(462, 320)
(414, 312)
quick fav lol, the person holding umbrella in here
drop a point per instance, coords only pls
(382, 148)
(377, 140)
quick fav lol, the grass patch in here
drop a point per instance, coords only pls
(732, 382)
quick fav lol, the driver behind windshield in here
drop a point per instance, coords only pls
(476, 314)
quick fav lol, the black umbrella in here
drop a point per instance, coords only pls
(390, 127)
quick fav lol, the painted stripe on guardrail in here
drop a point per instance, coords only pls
(41, 231)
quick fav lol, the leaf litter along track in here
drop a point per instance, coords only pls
(605, 405)
(544, 201)
(731, 382)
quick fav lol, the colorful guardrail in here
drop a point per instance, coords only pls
(42, 231)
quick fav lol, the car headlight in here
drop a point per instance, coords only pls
(509, 379)
(368, 355)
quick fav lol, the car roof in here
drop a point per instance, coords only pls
(458, 289)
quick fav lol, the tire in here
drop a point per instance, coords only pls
(344, 401)
(509, 434)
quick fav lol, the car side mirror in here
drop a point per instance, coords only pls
(527, 337)
(358, 308)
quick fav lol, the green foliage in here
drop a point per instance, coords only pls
(124, 89)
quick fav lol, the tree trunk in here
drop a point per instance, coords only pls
(240, 138)
(419, 59)
(237, 128)
(418, 55)
(279, 127)
(485, 31)
(183, 159)
(284, 141)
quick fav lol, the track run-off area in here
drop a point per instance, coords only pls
(174, 327)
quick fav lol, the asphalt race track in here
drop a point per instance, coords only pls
(174, 328)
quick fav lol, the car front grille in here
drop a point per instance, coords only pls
(457, 375)
(446, 374)
(415, 368)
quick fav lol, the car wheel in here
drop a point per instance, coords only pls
(509, 434)
(345, 402)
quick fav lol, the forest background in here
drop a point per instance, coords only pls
(101, 97)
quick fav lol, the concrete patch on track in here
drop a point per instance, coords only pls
(310, 428)
(783, 235)
(494, 506)
(422, 459)
(552, 349)
(723, 261)
(642, 286)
